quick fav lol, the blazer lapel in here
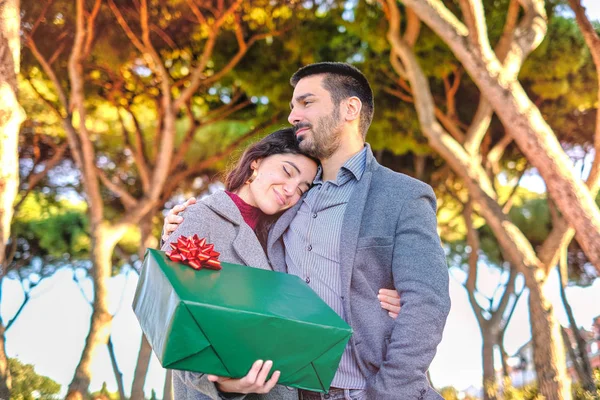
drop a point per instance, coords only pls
(275, 249)
(248, 248)
(245, 244)
(351, 229)
(352, 223)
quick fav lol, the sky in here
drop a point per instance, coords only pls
(51, 330)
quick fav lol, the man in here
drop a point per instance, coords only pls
(362, 227)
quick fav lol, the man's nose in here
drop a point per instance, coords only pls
(294, 116)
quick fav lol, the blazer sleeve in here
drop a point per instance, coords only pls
(421, 277)
(203, 388)
(196, 220)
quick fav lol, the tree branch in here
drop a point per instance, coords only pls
(34, 178)
(474, 17)
(86, 148)
(508, 292)
(197, 77)
(125, 26)
(40, 18)
(90, 30)
(19, 310)
(49, 71)
(473, 241)
(507, 205)
(115, 367)
(199, 16)
(128, 200)
(163, 35)
(139, 151)
(413, 28)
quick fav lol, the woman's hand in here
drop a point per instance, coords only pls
(172, 220)
(254, 382)
(389, 299)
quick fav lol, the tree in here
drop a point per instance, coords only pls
(461, 152)
(28, 385)
(496, 78)
(154, 74)
(11, 116)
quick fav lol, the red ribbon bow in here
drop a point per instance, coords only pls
(194, 252)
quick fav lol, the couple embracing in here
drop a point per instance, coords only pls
(312, 201)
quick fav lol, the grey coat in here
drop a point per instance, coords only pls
(389, 240)
(218, 219)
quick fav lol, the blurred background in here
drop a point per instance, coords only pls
(113, 111)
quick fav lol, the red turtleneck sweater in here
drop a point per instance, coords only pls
(250, 213)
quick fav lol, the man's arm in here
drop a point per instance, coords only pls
(421, 277)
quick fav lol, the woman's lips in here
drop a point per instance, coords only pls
(279, 198)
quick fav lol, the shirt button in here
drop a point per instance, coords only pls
(314, 215)
(309, 247)
(307, 279)
(326, 396)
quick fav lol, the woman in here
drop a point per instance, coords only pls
(271, 176)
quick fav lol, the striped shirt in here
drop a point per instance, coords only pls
(312, 249)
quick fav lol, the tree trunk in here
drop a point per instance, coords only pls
(571, 352)
(490, 387)
(168, 389)
(5, 378)
(141, 370)
(548, 350)
(504, 357)
(579, 357)
(11, 116)
(115, 366)
(143, 361)
(101, 319)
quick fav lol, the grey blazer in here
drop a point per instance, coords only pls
(218, 219)
(389, 240)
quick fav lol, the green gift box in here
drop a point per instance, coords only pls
(220, 322)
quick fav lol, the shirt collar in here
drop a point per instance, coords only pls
(355, 166)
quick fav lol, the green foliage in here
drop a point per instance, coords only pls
(529, 392)
(53, 229)
(28, 385)
(561, 78)
(579, 393)
(104, 394)
(449, 393)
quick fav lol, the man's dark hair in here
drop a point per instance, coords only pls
(342, 81)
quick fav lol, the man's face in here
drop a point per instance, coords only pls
(316, 119)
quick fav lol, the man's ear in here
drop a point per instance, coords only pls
(353, 107)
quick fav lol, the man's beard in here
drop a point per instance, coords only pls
(325, 138)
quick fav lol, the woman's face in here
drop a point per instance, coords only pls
(280, 181)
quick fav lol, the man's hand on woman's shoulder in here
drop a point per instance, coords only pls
(172, 220)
